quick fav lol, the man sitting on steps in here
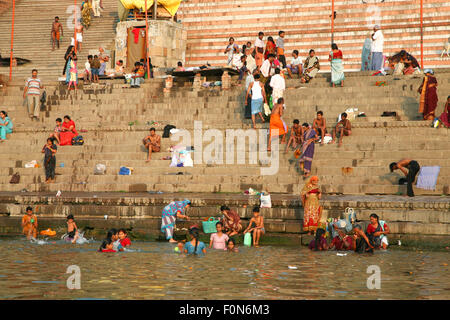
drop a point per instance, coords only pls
(152, 143)
(413, 168)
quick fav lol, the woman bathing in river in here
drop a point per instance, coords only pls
(170, 213)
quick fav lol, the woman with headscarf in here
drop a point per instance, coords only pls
(271, 48)
(170, 213)
(307, 149)
(312, 210)
(70, 53)
(428, 95)
(445, 116)
(366, 54)
(231, 221)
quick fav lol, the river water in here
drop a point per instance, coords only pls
(155, 271)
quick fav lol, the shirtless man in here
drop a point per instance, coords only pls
(296, 137)
(413, 168)
(256, 226)
(320, 126)
(29, 224)
(78, 35)
(152, 143)
(56, 26)
(343, 127)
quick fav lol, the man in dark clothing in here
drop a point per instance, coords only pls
(413, 168)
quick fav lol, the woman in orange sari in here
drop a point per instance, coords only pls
(311, 195)
(271, 47)
(276, 123)
(428, 95)
(68, 132)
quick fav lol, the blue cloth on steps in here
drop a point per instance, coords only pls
(428, 177)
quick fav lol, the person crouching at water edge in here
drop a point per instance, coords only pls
(377, 231)
(194, 246)
(256, 226)
(170, 213)
(319, 242)
(29, 224)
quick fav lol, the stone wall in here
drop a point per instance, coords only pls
(167, 42)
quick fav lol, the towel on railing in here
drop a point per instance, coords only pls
(428, 177)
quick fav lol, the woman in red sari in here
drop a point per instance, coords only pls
(68, 132)
(445, 116)
(428, 95)
(312, 211)
(271, 47)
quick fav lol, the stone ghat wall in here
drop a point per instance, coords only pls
(307, 25)
(425, 216)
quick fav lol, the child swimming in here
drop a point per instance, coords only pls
(179, 247)
(107, 246)
(231, 246)
(29, 224)
(194, 246)
(72, 230)
(256, 226)
(219, 239)
(113, 237)
(123, 237)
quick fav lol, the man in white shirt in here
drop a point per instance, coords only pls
(278, 85)
(259, 47)
(266, 68)
(377, 49)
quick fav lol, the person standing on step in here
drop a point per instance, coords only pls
(32, 92)
(277, 125)
(413, 169)
(278, 85)
(248, 98)
(312, 210)
(49, 160)
(231, 49)
(337, 68)
(307, 149)
(377, 49)
(280, 48)
(259, 47)
(96, 7)
(428, 95)
(152, 143)
(258, 98)
(56, 35)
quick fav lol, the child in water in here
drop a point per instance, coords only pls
(179, 247)
(219, 239)
(72, 230)
(194, 246)
(256, 226)
(107, 246)
(231, 246)
(29, 224)
(319, 243)
(123, 237)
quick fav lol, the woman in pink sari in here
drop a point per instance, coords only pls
(68, 132)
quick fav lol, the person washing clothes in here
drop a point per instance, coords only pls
(413, 168)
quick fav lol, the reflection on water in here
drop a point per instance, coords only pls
(153, 271)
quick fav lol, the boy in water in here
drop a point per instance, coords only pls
(256, 226)
(29, 224)
(343, 127)
(320, 126)
(296, 136)
(72, 230)
(123, 237)
(117, 246)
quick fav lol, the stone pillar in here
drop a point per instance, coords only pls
(226, 80)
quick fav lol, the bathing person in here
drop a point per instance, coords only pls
(319, 242)
(231, 246)
(113, 236)
(231, 221)
(123, 237)
(256, 226)
(378, 229)
(72, 230)
(219, 239)
(362, 242)
(29, 224)
(170, 213)
(107, 246)
(194, 246)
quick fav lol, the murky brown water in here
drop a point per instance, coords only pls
(32, 271)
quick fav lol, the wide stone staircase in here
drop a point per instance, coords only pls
(32, 36)
(308, 25)
(116, 119)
